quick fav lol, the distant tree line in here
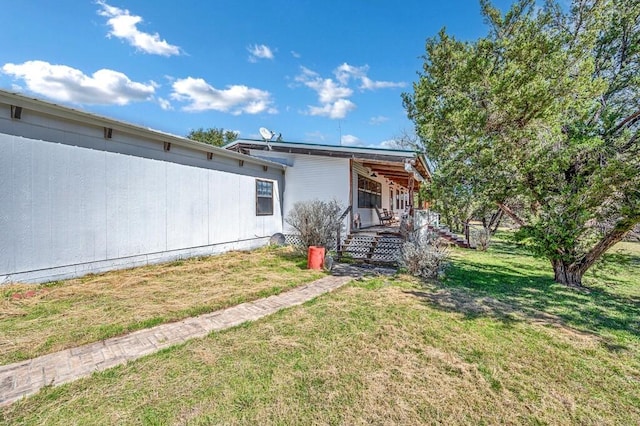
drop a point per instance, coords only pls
(213, 136)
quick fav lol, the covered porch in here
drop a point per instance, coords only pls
(383, 191)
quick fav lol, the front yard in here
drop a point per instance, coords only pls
(35, 320)
(497, 342)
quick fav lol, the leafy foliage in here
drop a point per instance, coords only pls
(316, 222)
(213, 136)
(543, 112)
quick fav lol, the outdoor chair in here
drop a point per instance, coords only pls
(386, 212)
(384, 219)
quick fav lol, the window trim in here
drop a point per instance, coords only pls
(258, 197)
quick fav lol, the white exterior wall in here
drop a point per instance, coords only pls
(72, 202)
(311, 177)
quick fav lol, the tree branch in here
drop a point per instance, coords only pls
(511, 214)
(609, 240)
(630, 119)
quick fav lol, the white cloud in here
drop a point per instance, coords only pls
(335, 110)
(296, 54)
(259, 51)
(345, 72)
(236, 99)
(390, 144)
(63, 83)
(378, 120)
(331, 95)
(125, 26)
(165, 104)
(368, 84)
(350, 140)
(328, 90)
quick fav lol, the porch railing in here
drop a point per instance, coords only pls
(433, 219)
(339, 232)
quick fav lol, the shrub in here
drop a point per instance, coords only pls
(424, 255)
(481, 238)
(316, 222)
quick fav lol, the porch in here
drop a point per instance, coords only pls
(381, 244)
(383, 191)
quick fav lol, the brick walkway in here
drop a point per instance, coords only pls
(27, 377)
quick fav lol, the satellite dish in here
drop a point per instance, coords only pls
(266, 134)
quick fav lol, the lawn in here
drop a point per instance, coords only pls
(496, 342)
(35, 320)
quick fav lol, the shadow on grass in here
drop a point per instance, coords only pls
(517, 287)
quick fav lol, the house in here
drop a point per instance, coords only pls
(81, 193)
(360, 177)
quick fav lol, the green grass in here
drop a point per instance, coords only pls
(497, 342)
(609, 306)
(70, 313)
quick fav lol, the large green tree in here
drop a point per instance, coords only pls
(543, 110)
(213, 136)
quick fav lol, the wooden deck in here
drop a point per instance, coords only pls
(378, 229)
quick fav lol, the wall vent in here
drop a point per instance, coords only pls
(16, 112)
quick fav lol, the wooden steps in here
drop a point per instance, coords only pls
(373, 248)
(452, 237)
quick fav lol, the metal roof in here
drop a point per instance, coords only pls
(375, 157)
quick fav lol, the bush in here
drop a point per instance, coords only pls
(316, 222)
(424, 255)
(481, 238)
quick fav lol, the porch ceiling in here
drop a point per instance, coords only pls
(395, 172)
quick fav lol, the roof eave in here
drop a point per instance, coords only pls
(100, 121)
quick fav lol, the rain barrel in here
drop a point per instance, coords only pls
(315, 257)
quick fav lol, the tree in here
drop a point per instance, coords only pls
(405, 139)
(544, 111)
(213, 136)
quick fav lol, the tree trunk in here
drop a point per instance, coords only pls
(568, 275)
(496, 218)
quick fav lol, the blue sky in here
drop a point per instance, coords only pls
(316, 71)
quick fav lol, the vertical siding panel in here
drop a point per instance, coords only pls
(8, 188)
(187, 208)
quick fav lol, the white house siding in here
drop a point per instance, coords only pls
(72, 202)
(311, 177)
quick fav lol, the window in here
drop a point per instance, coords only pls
(369, 193)
(264, 198)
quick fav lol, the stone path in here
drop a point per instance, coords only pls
(27, 377)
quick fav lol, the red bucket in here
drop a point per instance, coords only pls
(315, 257)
